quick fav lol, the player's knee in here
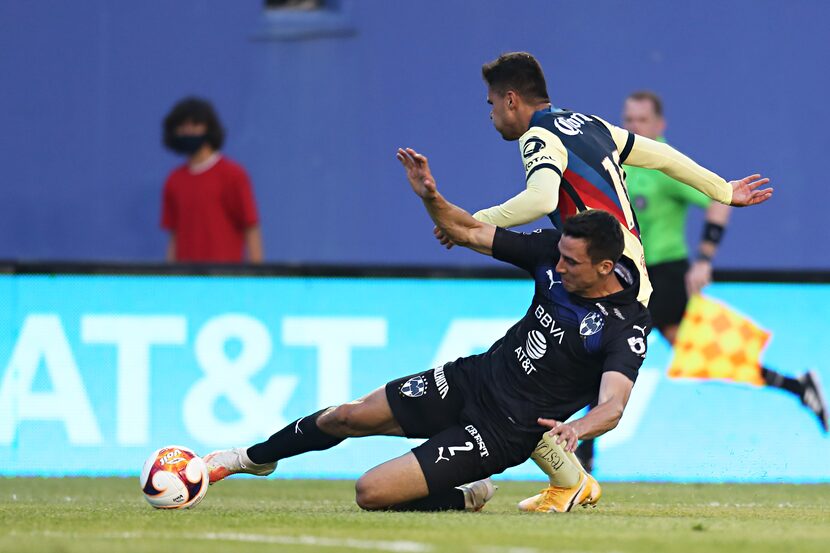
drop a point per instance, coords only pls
(368, 496)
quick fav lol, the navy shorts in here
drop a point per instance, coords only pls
(464, 442)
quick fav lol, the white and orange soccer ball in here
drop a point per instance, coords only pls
(174, 477)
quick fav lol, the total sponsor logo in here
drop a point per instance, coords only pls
(572, 125)
(482, 447)
(537, 160)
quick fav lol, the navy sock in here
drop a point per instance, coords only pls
(778, 380)
(298, 437)
(452, 500)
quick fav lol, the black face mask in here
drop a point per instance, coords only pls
(188, 144)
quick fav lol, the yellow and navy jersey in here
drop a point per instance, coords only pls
(573, 163)
(582, 150)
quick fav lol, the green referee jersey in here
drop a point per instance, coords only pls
(661, 205)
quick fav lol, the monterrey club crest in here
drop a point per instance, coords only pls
(591, 324)
(414, 387)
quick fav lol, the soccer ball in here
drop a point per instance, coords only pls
(174, 477)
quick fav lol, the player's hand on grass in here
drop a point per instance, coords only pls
(698, 276)
(418, 173)
(443, 238)
(746, 192)
(562, 431)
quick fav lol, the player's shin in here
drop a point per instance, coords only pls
(563, 469)
(467, 497)
(569, 484)
(298, 437)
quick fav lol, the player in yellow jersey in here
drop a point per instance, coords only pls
(572, 163)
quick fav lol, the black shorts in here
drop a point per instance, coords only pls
(669, 298)
(464, 443)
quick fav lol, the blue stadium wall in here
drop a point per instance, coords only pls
(316, 105)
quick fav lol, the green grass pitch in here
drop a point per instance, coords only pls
(109, 515)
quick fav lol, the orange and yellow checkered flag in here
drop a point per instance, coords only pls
(716, 342)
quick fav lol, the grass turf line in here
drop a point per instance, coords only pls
(98, 515)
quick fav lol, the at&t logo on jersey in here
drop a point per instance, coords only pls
(536, 345)
(571, 125)
(524, 360)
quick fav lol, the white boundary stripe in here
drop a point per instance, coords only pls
(275, 539)
(396, 546)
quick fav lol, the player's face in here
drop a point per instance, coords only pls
(580, 275)
(639, 117)
(503, 115)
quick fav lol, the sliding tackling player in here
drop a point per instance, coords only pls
(583, 335)
(573, 164)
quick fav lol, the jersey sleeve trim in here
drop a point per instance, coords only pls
(628, 372)
(544, 166)
(629, 144)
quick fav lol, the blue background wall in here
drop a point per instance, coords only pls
(86, 83)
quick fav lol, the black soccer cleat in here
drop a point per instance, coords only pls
(813, 397)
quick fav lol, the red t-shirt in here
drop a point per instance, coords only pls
(209, 212)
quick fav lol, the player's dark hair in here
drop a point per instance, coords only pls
(649, 96)
(517, 71)
(195, 110)
(600, 230)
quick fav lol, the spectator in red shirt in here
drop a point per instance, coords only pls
(208, 205)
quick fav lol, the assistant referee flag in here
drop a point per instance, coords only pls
(716, 342)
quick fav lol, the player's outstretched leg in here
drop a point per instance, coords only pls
(474, 494)
(806, 387)
(324, 429)
(570, 484)
(427, 478)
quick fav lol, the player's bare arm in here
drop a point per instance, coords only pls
(453, 222)
(614, 391)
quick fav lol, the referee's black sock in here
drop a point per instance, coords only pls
(452, 500)
(778, 380)
(298, 437)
